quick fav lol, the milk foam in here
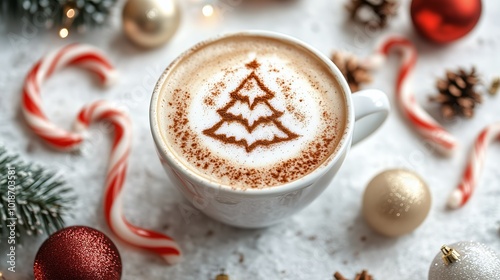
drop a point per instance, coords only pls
(251, 112)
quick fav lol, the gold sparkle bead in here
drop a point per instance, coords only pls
(150, 23)
(396, 202)
(449, 255)
(494, 86)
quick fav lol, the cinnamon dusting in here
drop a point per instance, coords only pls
(279, 173)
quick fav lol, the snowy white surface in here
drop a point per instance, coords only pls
(327, 235)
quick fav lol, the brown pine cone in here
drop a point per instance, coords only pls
(372, 13)
(457, 94)
(353, 70)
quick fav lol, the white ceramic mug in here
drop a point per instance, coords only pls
(252, 208)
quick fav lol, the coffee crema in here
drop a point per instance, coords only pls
(247, 111)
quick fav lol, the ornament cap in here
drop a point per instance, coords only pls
(450, 255)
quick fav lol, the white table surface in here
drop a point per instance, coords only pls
(323, 238)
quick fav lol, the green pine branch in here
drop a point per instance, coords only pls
(51, 13)
(32, 197)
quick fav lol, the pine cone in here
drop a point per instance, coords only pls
(372, 13)
(353, 70)
(457, 94)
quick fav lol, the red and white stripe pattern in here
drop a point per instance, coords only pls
(81, 55)
(463, 192)
(91, 58)
(423, 123)
(115, 178)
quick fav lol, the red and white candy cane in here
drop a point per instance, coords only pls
(81, 55)
(91, 58)
(470, 178)
(115, 178)
(424, 124)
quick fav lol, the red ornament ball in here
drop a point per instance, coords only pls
(78, 253)
(445, 21)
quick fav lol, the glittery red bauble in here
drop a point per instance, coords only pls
(444, 21)
(78, 253)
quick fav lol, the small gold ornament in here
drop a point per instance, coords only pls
(494, 86)
(359, 276)
(150, 23)
(396, 202)
(222, 276)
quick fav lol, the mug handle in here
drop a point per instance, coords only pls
(371, 108)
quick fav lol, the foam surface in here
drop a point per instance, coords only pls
(251, 112)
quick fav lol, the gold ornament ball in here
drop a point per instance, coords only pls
(150, 23)
(396, 202)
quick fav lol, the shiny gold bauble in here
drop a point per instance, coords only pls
(396, 202)
(150, 23)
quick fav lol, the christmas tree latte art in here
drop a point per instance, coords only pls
(249, 109)
(251, 112)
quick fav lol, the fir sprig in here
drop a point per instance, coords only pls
(51, 13)
(38, 198)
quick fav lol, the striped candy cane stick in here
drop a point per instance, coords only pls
(115, 178)
(81, 55)
(424, 124)
(92, 59)
(470, 178)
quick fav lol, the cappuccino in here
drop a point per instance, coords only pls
(247, 111)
